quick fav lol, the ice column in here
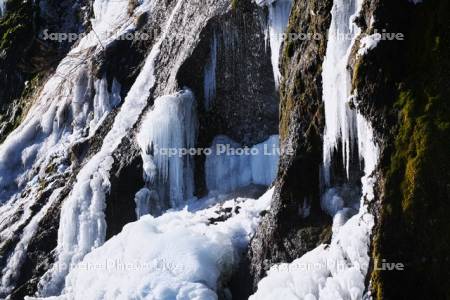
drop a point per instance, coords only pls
(168, 131)
(279, 12)
(340, 119)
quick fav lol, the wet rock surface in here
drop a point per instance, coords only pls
(287, 231)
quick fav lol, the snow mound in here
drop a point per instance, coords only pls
(180, 255)
(330, 272)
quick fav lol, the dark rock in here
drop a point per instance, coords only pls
(245, 104)
(285, 233)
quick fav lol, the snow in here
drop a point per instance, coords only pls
(329, 272)
(82, 223)
(368, 43)
(209, 81)
(178, 255)
(170, 127)
(279, 11)
(228, 168)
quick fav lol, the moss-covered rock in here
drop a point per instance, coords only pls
(285, 233)
(403, 89)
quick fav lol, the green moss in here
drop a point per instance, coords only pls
(414, 222)
(22, 106)
(234, 4)
(286, 107)
(16, 28)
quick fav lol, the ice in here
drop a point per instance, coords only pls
(209, 81)
(340, 119)
(279, 11)
(167, 130)
(228, 168)
(265, 163)
(368, 43)
(178, 255)
(2, 7)
(223, 172)
(142, 200)
(15, 261)
(60, 115)
(333, 272)
(103, 101)
(82, 223)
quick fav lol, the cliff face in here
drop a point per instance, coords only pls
(289, 231)
(400, 87)
(71, 163)
(28, 55)
(110, 68)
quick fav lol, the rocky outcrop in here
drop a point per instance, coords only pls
(244, 102)
(28, 55)
(401, 87)
(296, 223)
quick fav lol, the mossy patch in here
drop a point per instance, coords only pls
(414, 226)
(16, 28)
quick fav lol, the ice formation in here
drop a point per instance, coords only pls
(336, 271)
(61, 116)
(2, 7)
(167, 132)
(20, 251)
(179, 255)
(231, 166)
(209, 76)
(279, 11)
(340, 119)
(82, 224)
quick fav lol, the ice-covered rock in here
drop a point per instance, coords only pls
(178, 255)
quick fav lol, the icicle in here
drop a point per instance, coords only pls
(169, 128)
(104, 102)
(209, 77)
(340, 119)
(278, 19)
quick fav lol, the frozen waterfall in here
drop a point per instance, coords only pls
(279, 11)
(340, 119)
(82, 225)
(169, 127)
